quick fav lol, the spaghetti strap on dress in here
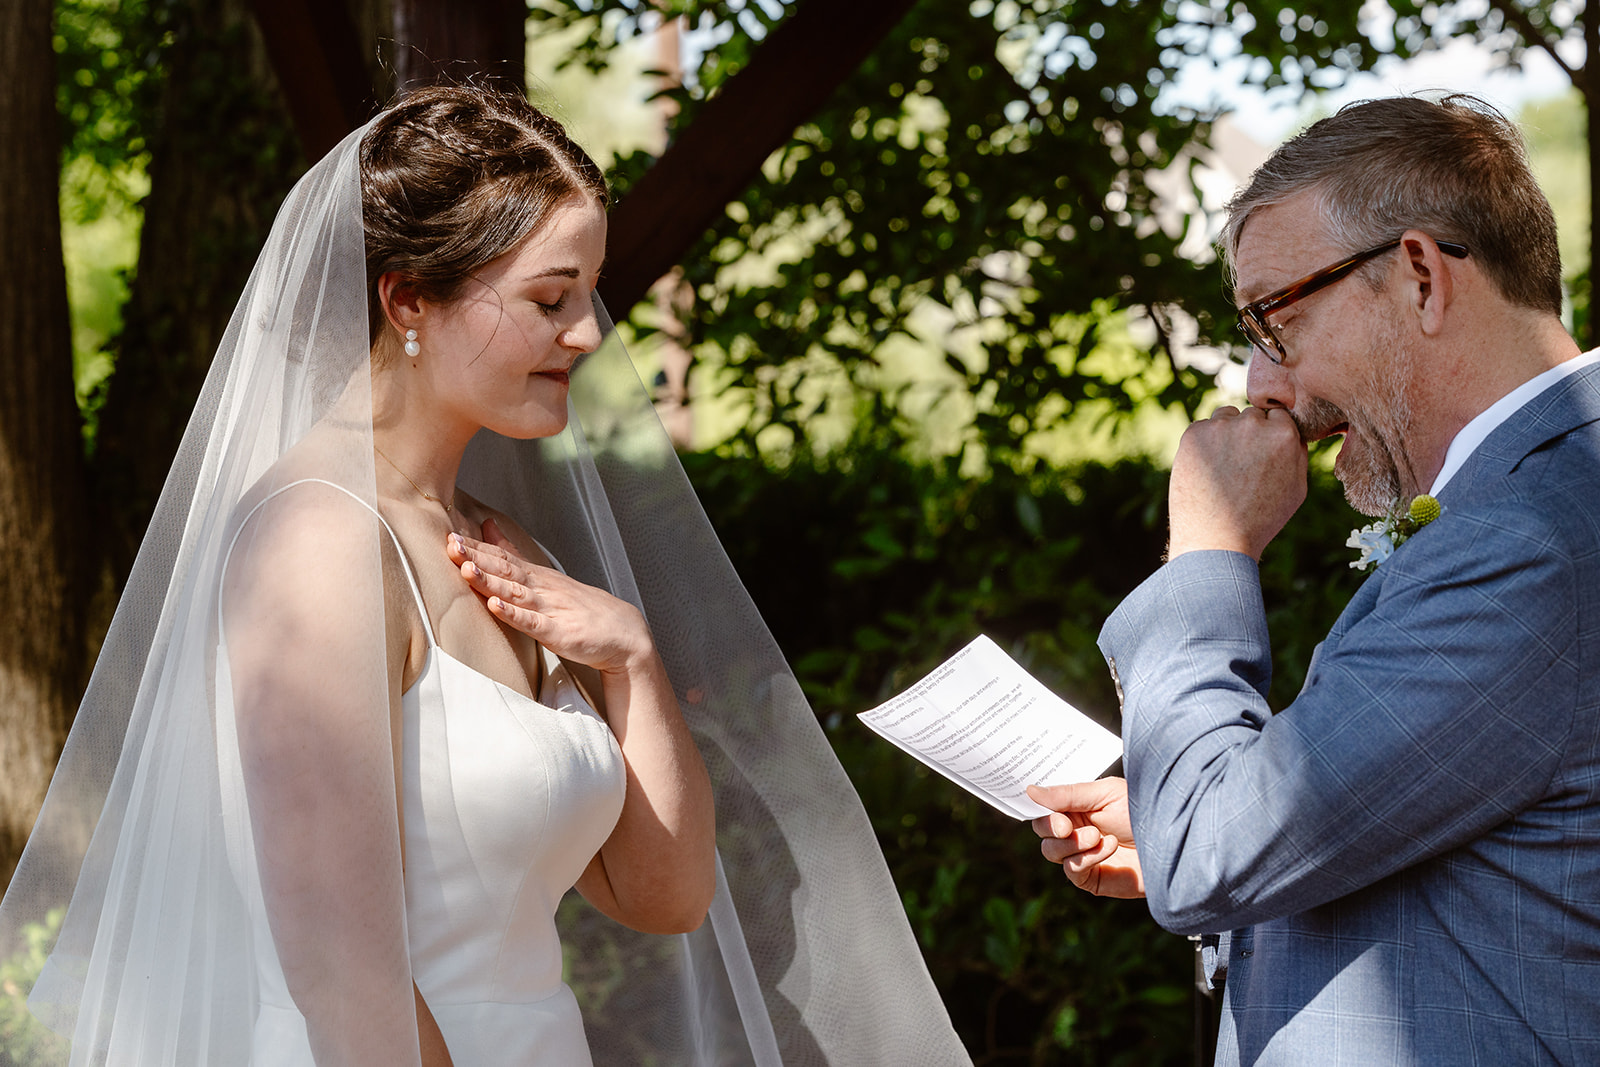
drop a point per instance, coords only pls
(505, 801)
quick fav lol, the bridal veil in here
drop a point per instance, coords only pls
(806, 956)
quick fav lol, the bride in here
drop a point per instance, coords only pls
(428, 629)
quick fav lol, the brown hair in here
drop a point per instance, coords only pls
(453, 177)
(1454, 169)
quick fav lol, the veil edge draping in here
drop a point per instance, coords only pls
(806, 958)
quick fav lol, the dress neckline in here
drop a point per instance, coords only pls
(436, 653)
(434, 647)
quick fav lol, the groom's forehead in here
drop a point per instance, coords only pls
(1278, 245)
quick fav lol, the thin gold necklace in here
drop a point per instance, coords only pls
(449, 506)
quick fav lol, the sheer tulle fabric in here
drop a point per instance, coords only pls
(174, 815)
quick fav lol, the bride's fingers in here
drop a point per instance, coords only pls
(474, 557)
(515, 580)
(519, 618)
(511, 570)
(494, 535)
(488, 584)
(461, 548)
(494, 544)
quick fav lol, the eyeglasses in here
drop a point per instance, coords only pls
(1253, 316)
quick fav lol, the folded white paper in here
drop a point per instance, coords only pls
(982, 721)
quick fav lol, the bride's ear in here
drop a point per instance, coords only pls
(400, 302)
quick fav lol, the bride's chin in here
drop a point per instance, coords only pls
(531, 429)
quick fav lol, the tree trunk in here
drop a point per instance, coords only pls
(45, 585)
(789, 78)
(223, 157)
(454, 40)
(1589, 84)
(316, 48)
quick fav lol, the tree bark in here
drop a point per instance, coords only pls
(45, 587)
(454, 40)
(1588, 79)
(223, 157)
(316, 50)
(791, 75)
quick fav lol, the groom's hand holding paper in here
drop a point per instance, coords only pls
(1091, 835)
(992, 728)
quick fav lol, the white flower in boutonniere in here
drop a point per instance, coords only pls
(1377, 541)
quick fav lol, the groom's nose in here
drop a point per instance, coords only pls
(1268, 385)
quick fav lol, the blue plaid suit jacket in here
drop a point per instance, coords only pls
(1408, 855)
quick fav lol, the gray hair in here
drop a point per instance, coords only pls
(1454, 168)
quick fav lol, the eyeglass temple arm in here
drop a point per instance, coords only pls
(1310, 285)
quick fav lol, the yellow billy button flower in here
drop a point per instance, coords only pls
(1424, 509)
(1377, 541)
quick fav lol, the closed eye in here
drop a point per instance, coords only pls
(552, 309)
(1287, 319)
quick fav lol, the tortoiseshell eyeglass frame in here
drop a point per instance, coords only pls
(1253, 316)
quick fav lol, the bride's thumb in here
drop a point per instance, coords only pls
(494, 535)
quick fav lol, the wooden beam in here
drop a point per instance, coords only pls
(316, 54)
(789, 78)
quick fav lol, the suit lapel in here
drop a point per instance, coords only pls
(1572, 402)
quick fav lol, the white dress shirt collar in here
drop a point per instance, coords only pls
(1474, 433)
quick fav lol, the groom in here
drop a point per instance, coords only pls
(1408, 855)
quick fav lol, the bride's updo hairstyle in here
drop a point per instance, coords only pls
(453, 177)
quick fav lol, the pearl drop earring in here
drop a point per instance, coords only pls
(412, 348)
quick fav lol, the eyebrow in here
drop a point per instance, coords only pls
(563, 272)
(1249, 294)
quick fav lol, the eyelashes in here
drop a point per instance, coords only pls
(552, 309)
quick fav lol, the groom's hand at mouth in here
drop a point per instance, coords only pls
(1237, 478)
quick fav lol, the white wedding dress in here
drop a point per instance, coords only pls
(506, 800)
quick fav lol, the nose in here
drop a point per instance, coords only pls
(1267, 384)
(584, 334)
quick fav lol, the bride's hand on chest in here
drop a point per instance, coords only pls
(578, 622)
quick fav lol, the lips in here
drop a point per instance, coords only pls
(1316, 419)
(1321, 430)
(558, 376)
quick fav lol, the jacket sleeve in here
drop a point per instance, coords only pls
(1436, 710)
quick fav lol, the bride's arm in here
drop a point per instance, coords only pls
(434, 1051)
(305, 617)
(657, 870)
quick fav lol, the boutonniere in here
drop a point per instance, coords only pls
(1377, 541)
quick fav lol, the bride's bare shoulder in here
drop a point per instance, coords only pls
(304, 517)
(316, 480)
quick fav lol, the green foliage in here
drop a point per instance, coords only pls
(1510, 28)
(24, 1041)
(108, 58)
(1582, 301)
(970, 175)
(1558, 152)
(108, 81)
(100, 243)
(180, 83)
(891, 565)
(977, 190)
